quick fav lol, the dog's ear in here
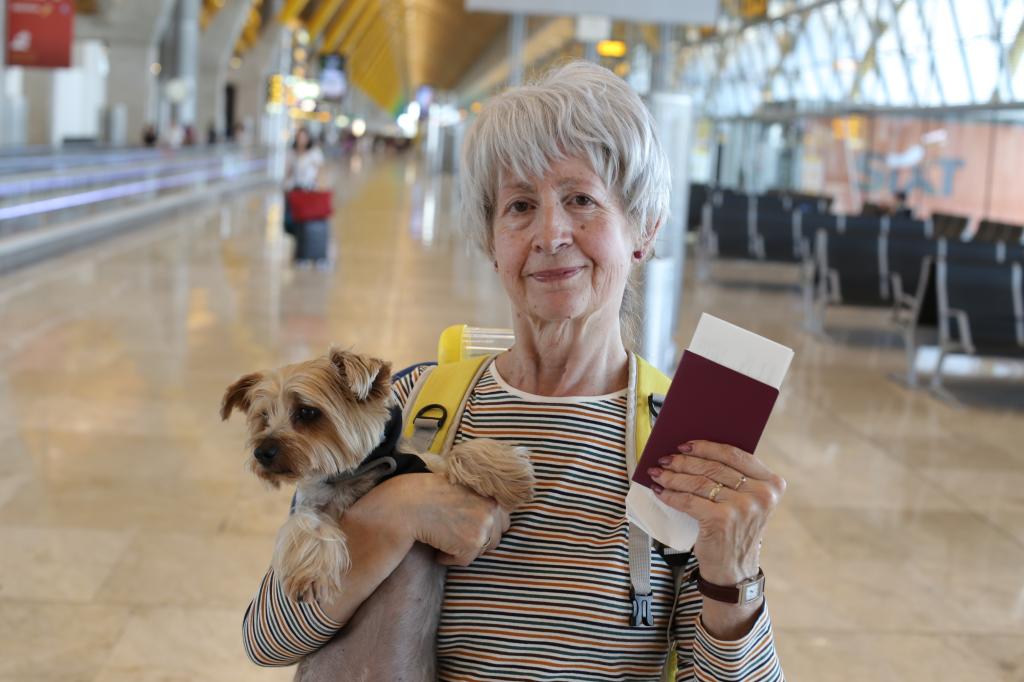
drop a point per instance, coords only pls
(366, 377)
(237, 394)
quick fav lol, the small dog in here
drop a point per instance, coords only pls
(330, 426)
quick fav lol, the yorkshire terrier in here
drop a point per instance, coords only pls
(331, 426)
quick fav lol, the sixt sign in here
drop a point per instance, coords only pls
(932, 177)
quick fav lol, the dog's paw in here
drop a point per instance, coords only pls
(493, 469)
(311, 558)
(302, 588)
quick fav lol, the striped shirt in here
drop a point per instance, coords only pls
(552, 600)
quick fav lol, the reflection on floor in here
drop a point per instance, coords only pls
(132, 538)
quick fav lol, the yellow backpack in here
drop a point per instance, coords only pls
(439, 398)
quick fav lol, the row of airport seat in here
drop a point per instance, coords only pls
(967, 294)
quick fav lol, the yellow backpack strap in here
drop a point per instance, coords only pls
(651, 387)
(437, 402)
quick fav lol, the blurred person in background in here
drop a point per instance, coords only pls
(900, 207)
(305, 163)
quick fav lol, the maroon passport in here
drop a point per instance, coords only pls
(707, 401)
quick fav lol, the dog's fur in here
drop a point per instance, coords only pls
(323, 417)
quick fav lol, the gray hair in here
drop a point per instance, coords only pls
(578, 110)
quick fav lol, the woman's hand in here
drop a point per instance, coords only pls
(731, 525)
(457, 522)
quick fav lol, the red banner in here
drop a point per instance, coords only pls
(39, 32)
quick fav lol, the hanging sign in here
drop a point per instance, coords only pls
(39, 32)
(701, 12)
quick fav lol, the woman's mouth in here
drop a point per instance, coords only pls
(556, 274)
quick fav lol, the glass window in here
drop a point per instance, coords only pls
(1013, 17)
(891, 66)
(974, 18)
(983, 61)
(948, 61)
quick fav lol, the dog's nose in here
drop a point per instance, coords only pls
(266, 452)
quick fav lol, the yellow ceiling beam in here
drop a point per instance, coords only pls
(376, 34)
(323, 13)
(360, 27)
(385, 77)
(291, 10)
(381, 84)
(341, 23)
(381, 76)
(367, 60)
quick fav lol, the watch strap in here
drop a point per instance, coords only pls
(743, 593)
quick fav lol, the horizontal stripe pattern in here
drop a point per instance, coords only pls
(277, 630)
(551, 601)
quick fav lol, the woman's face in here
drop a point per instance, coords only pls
(562, 243)
(302, 139)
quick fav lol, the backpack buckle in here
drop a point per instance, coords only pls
(642, 616)
(426, 424)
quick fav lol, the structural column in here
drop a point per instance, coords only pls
(516, 37)
(215, 50)
(131, 86)
(186, 31)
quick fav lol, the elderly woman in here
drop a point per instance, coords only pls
(564, 186)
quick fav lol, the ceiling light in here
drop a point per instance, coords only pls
(611, 48)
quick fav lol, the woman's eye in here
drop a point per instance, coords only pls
(519, 207)
(582, 200)
(308, 414)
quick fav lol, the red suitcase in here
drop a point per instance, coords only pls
(308, 205)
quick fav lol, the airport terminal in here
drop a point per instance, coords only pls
(511, 340)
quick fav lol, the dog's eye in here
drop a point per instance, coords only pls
(308, 414)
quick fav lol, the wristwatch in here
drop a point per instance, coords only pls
(745, 592)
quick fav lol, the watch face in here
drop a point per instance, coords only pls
(751, 592)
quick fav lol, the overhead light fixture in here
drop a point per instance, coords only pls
(611, 48)
(155, 68)
(341, 121)
(358, 127)
(236, 62)
(846, 64)
(476, 107)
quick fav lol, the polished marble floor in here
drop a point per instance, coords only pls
(131, 539)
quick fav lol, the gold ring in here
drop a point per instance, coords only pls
(743, 479)
(714, 491)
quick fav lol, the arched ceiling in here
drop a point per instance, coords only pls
(394, 46)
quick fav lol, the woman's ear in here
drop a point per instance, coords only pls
(646, 245)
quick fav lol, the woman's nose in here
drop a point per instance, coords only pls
(555, 230)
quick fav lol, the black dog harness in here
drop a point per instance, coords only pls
(387, 456)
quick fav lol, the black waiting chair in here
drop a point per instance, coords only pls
(778, 236)
(981, 310)
(911, 228)
(947, 226)
(860, 224)
(853, 265)
(729, 231)
(698, 197)
(910, 261)
(992, 231)
(873, 210)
